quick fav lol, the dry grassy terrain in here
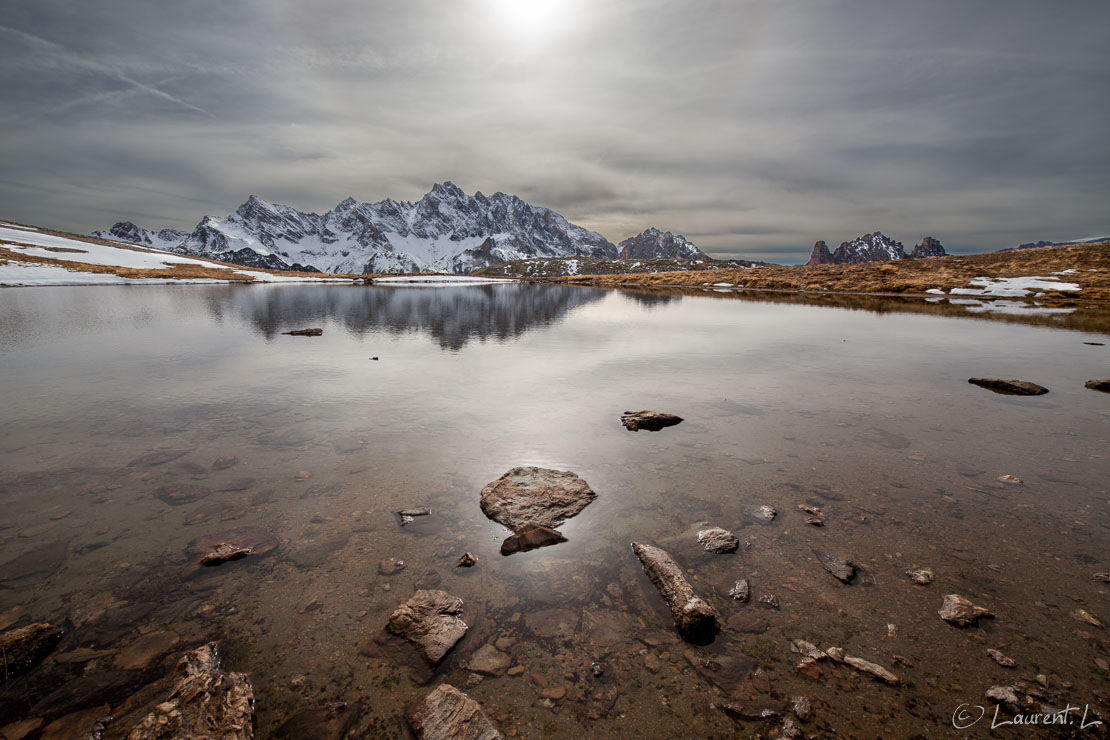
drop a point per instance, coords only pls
(906, 277)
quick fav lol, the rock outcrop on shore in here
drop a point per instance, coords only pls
(23, 647)
(876, 247)
(205, 702)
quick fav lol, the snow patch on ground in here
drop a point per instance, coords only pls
(433, 280)
(1018, 287)
(22, 273)
(935, 291)
(42, 245)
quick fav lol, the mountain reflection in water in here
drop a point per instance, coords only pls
(452, 315)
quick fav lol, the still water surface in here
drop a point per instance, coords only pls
(867, 416)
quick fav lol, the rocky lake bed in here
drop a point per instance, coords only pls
(843, 536)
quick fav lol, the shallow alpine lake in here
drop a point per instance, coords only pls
(140, 423)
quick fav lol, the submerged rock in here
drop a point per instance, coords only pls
(802, 706)
(409, 515)
(161, 457)
(489, 661)
(1102, 384)
(448, 714)
(1009, 387)
(754, 710)
(429, 620)
(920, 576)
(1001, 659)
(332, 721)
(873, 669)
(765, 514)
(22, 648)
(1104, 577)
(258, 540)
(718, 540)
(840, 567)
(693, 616)
(224, 552)
(960, 611)
(652, 421)
(205, 702)
(42, 560)
(141, 653)
(468, 560)
(313, 332)
(741, 592)
(1085, 616)
(530, 495)
(389, 566)
(530, 537)
(184, 493)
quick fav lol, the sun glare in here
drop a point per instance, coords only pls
(531, 19)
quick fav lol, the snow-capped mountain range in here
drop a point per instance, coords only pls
(445, 231)
(876, 247)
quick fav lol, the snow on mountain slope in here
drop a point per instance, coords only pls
(445, 231)
(655, 244)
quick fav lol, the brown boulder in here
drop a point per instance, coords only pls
(22, 648)
(205, 703)
(448, 714)
(960, 611)
(693, 616)
(429, 620)
(652, 421)
(535, 495)
(1009, 387)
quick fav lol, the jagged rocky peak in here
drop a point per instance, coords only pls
(445, 231)
(876, 247)
(820, 255)
(929, 247)
(652, 243)
(125, 231)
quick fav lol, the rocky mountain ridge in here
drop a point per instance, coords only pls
(445, 231)
(876, 247)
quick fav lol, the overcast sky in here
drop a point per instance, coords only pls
(754, 128)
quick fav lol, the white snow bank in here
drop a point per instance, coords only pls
(722, 285)
(41, 245)
(935, 291)
(1018, 287)
(44, 245)
(24, 273)
(429, 280)
(17, 226)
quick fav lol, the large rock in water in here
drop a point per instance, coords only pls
(429, 620)
(22, 648)
(693, 616)
(448, 714)
(652, 421)
(1098, 384)
(535, 495)
(1009, 387)
(205, 703)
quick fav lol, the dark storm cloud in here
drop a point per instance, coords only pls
(755, 128)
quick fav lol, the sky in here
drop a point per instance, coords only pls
(754, 128)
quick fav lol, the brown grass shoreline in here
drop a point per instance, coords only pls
(902, 277)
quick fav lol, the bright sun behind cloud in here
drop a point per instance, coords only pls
(531, 20)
